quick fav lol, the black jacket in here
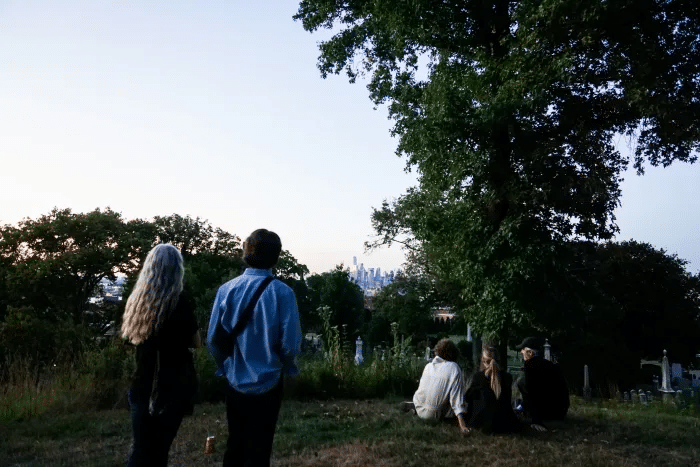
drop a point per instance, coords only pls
(484, 411)
(544, 390)
(165, 375)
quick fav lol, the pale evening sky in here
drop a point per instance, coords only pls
(216, 109)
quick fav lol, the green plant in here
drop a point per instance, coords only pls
(336, 375)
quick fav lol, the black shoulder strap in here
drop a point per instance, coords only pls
(248, 312)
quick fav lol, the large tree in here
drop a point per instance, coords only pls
(510, 111)
(620, 303)
(335, 290)
(407, 301)
(55, 263)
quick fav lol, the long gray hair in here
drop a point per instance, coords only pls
(155, 294)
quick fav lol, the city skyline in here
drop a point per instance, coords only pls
(369, 279)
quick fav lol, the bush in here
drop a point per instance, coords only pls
(38, 343)
(336, 376)
(211, 387)
(107, 373)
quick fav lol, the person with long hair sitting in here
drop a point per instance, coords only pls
(159, 320)
(488, 396)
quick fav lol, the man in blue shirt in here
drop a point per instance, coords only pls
(255, 360)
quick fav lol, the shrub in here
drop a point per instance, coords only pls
(38, 343)
(336, 375)
(211, 387)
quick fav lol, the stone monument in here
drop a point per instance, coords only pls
(359, 358)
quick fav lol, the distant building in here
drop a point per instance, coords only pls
(370, 280)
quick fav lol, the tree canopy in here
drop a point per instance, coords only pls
(510, 112)
(54, 264)
(621, 303)
(334, 290)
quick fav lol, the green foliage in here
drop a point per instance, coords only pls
(509, 112)
(404, 302)
(195, 236)
(52, 350)
(105, 374)
(334, 290)
(336, 375)
(55, 263)
(292, 273)
(627, 300)
(93, 378)
(39, 343)
(212, 388)
(289, 269)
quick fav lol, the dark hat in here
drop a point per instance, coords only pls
(534, 343)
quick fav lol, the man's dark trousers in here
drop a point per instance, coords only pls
(251, 427)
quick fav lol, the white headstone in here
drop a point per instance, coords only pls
(359, 358)
(665, 375)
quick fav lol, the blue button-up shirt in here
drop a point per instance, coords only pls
(269, 343)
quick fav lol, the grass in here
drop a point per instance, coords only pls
(371, 433)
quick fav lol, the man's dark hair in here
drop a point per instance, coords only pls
(447, 350)
(262, 249)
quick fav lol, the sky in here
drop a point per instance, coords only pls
(215, 109)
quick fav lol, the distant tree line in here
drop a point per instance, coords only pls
(618, 302)
(50, 267)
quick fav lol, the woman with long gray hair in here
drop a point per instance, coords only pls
(159, 320)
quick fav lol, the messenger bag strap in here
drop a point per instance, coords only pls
(248, 312)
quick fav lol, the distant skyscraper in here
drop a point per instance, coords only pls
(370, 280)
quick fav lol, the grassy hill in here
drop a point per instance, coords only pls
(373, 433)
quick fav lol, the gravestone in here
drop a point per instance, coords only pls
(634, 396)
(666, 390)
(586, 384)
(626, 396)
(359, 358)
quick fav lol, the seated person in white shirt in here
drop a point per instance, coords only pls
(440, 393)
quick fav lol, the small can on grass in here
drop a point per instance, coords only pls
(209, 445)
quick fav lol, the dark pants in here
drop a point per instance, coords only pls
(251, 427)
(152, 435)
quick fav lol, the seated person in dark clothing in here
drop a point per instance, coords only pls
(542, 386)
(488, 397)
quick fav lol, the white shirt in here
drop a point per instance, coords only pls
(441, 388)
